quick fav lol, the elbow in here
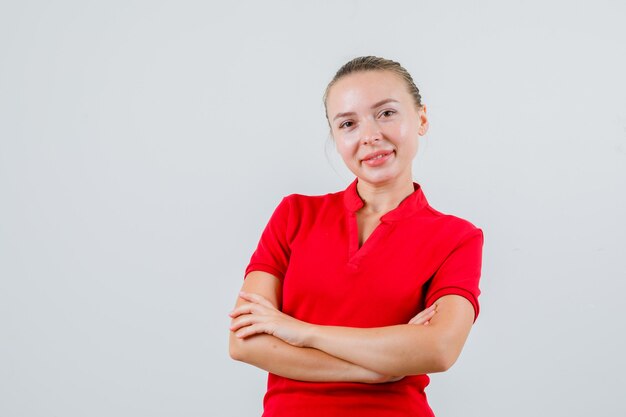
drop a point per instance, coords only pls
(445, 354)
(254, 350)
(235, 353)
(444, 362)
(236, 349)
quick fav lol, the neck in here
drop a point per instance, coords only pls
(380, 199)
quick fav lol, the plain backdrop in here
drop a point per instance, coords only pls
(144, 145)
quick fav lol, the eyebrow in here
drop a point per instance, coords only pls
(378, 104)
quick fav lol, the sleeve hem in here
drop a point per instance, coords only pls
(265, 268)
(455, 291)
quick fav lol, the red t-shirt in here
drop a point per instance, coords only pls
(415, 256)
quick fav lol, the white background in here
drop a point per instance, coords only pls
(144, 145)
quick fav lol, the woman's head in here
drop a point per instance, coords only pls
(375, 116)
(374, 63)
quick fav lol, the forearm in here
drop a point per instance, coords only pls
(300, 363)
(394, 350)
(404, 349)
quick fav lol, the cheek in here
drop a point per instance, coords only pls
(344, 153)
(345, 147)
(409, 133)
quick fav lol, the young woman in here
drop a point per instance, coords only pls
(351, 298)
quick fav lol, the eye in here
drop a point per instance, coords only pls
(387, 113)
(345, 124)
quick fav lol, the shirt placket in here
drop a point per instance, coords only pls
(356, 254)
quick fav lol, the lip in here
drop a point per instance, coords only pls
(384, 156)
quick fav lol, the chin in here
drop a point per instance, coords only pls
(377, 179)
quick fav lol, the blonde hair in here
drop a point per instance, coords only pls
(374, 63)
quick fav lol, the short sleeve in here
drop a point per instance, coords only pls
(273, 250)
(460, 272)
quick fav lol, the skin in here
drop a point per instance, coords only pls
(368, 112)
(274, 355)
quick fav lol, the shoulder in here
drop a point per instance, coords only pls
(451, 226)
(312, 203)
(301, 213)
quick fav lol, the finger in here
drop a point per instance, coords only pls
(425, 311)
(421, 315)
(242, 309)
(248, 308)
(433, 307)
(251, 330)
(256, 298)
(421, 319)
(245, 320)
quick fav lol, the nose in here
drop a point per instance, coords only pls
(370, 132)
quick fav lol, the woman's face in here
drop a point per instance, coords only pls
(376, 125)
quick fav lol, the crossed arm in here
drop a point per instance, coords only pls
(263, 336)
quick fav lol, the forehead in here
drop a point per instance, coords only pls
(364, 88)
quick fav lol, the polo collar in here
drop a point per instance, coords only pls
(407, 207)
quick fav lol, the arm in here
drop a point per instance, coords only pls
(404, 349)
(276, 356)
(393, 350)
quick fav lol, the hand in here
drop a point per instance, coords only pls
(367, 376)
(259, 315)
(384, 379)
(424, 316)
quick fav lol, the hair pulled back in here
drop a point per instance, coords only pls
(374, 63)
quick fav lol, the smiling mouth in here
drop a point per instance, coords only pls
(378, 156)
(377, 160)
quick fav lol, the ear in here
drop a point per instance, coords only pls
(423, 121)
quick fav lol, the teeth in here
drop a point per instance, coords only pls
(377, 157)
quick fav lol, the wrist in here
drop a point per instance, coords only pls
(310, 335)
(372, 377)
